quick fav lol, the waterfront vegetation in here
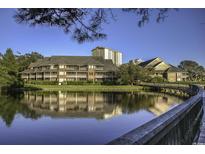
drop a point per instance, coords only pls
(85, 87)
(128, 75)
(11, 65)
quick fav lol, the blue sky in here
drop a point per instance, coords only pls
(181, 36)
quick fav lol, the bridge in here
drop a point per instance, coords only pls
(184, 124)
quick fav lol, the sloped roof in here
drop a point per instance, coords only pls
(174, 69)
(70, 60)
(145, 63)
(75, 60)
(170, 69)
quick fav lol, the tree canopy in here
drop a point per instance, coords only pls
(9, 68)
(11, 65)
(25, 60)
(83, 24)
(195, 71)
(131, 73)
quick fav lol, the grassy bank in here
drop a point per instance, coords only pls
(85, 87)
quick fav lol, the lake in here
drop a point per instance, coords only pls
(37, 117)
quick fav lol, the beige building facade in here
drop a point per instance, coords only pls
(70, 68)
(108, 53)
(162, 69)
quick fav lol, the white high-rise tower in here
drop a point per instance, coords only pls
(107, 53)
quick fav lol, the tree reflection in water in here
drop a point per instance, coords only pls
(97, 105)
(10, 106)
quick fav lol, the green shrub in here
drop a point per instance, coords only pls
(157, 79)
(81, 83)
(109, 82)
(43, 82)
(192, 82)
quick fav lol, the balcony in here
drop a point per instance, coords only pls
(24, 76)
(99, 68)
(32, 76)
(82, 75)
(72, 68)
(39, 76)
(70, 76)
(83, 69)
(99, 76)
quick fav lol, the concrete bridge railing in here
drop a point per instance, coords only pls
(177, 126)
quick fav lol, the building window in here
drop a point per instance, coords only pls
(72, 67)
(53, 73)
(99, 68)
(70, 73)
(55, 66)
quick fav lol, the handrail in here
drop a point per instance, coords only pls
(172, 127)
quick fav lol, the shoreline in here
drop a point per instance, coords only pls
(85, 88)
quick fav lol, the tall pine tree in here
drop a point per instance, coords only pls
(9, 69)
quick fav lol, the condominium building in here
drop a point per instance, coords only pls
(162, 69)
(71, 68)
(107, 53)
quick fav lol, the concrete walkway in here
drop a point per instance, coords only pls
(201, 139)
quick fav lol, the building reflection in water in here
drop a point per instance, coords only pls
(97, 105)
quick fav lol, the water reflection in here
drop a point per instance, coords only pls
(10, 106)
(97, 105)
(87, 118)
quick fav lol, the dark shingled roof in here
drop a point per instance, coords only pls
(170, 69)
(143, 64)
(174, 69)
(69, 60)
(75, 60)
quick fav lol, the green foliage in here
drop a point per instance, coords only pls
(25, 60)
(157, 79)
(91, 87)
(9, 70)
(81, 83)
(131, 74)
(191, 82)
(114, 82)
(42, 82)
(83, 24)
(11, 66)
(195, 71)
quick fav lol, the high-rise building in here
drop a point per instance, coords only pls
(107, 53)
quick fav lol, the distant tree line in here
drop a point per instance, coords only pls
(132, 74)
(195, 71)
(11, 65)
(128, 74)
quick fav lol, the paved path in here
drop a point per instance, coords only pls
(201, 139)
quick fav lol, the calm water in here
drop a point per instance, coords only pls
(76, 117)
